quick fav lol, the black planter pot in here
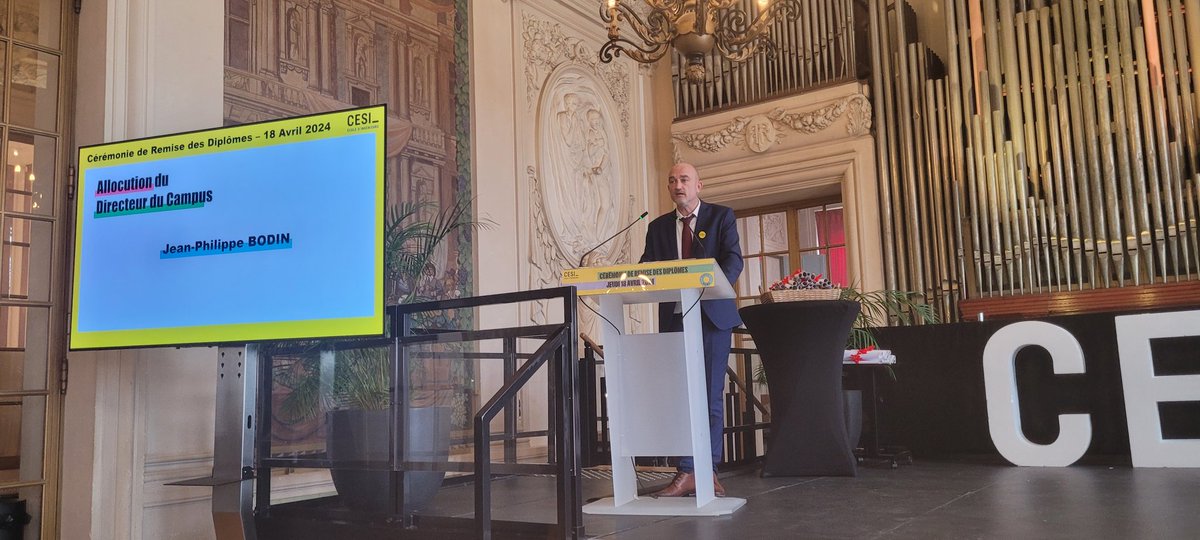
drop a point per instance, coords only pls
(13, 518)
(363, 436)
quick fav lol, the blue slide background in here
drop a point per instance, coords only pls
(322, 192)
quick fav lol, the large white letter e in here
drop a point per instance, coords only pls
(1144, 391)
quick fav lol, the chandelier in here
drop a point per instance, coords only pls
(673, 23)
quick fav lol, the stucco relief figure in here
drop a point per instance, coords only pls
(580, 188)
(422, 190)
(596, 166)
(570, 124)
(418, 81)
(360, 56)
(293, 33)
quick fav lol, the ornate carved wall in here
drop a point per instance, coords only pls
(584, 171)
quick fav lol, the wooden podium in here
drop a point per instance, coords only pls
(657, 391)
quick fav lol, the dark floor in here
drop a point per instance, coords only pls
(929, 499)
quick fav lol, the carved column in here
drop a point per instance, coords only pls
(327, 36)
(400, 92)
(312, 43)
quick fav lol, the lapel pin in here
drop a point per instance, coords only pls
(702, 235)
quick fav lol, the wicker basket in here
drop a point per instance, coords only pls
(796, 295)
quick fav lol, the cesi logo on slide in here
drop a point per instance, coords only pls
(359, 119)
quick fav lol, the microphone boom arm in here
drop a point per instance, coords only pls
(618, 233)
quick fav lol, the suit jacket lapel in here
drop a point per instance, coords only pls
(703, 219)
(703, 216)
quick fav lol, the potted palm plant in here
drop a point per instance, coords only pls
(352, 383)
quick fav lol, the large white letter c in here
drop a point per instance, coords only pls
(1004, 411)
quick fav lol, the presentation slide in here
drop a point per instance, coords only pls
(249, 233)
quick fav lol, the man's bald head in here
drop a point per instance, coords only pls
(683, 185)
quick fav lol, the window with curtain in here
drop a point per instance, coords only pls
(777, 240)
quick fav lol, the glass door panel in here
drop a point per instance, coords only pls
(752, 240)
(34, 49)
(775, 233)
(26, 251)
(774, 245)
(29, 175)
(22, 438)
(33, 99)
(37, 21)
(775, 268)
(23, 353)
(29, 499)
(753, 272)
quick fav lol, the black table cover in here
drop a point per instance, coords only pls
(801, 346)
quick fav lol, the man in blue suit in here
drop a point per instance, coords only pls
(696, 230)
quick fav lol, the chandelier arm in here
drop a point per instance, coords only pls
(654, 31)
(732, 30)
(605, 14)
(616, 47)
(665, 5)
(670, 9)
(720, 4)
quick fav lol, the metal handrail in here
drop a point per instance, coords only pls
(483, 420)
(563, 433)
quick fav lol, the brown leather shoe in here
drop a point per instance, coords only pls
(682, 485)
(718, 489)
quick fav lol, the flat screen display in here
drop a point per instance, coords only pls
(247, 233)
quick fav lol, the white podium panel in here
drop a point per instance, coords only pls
(655, 405)
(657, 391)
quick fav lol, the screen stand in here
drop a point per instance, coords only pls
(232, 479)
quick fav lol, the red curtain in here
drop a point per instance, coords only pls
(830, 232)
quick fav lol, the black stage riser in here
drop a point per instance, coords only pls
(937, 405)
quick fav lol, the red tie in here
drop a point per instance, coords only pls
(685, 238)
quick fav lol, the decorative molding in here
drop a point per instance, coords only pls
(861, 113)
(546, 258)
(716, 141)
(858, 123)
(760, 132)
(429, 137)
(546, 49)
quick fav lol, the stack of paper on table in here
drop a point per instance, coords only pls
(877, 356)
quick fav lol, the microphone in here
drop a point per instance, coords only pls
(618, 233)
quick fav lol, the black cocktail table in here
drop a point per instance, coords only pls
(801, 346)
